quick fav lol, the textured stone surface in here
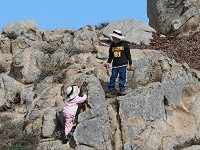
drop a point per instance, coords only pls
(133, 30)
(174, 16)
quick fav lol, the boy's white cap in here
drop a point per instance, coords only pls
(117, 34)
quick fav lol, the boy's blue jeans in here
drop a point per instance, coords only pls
(122, 78)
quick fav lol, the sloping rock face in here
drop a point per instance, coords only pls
(93, 129)
(150, 121)
(174, 16)
(154, 115)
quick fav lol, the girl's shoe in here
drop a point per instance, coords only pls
(66, 139)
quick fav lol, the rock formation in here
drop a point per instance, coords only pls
(174, 16)
(160, 111)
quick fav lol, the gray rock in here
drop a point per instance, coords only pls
(27, 94)
(11, 86)
(5, 45)
(2, 98)
(84, 147)
(96, 100)
(144, 103)
(22, 62)
(55, 35)
(94, 133)
(85, 38)
(133, 30)
(5, 62)
(93, 128)
(174, 16)
(18, 27)
(49, 125)
(138, 109)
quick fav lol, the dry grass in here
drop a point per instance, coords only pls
(183, 49)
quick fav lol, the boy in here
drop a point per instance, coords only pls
(120, 56)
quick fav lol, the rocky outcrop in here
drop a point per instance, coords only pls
(18, 28)
(174, 17)
(160, 111)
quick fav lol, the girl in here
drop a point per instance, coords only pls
(72, 101)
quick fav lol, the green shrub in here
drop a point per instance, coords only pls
(15, 147)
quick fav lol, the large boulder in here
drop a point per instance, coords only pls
(93, 129)
(134, 31)
(150, 121)
(85, 38)
(17, 28)
(174, 16)
(22, 62)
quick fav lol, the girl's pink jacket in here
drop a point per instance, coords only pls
(72, 106)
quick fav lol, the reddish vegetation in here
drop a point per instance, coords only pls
(183, 49)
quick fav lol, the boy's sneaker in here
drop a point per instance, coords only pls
(122, 93)
(111, 94)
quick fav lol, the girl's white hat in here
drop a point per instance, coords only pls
(71, 92)
(117, 34)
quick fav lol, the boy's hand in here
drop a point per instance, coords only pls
(107, 65)
(130, 68)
